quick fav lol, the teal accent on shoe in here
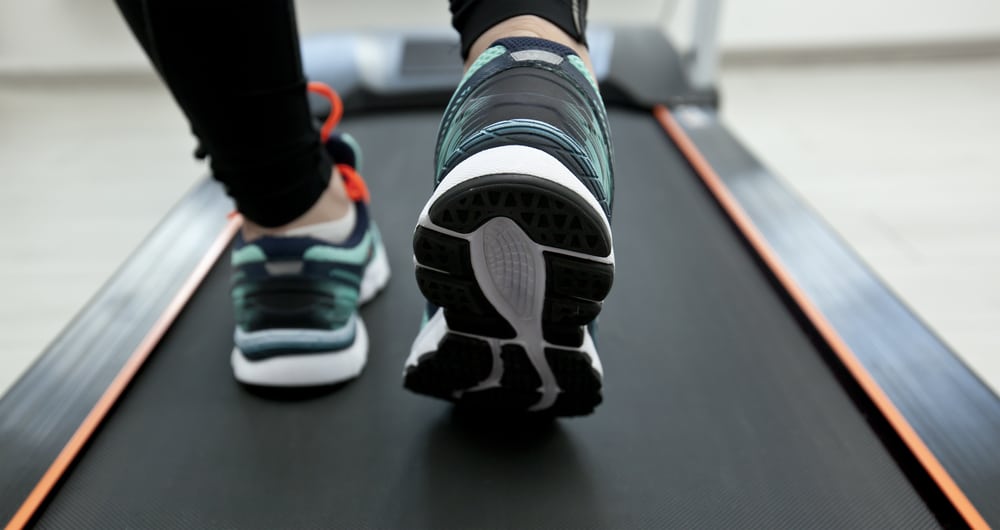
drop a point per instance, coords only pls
(474, 120)
(345, 301)
(576, 61)
(239, 293)
(356, 147)
(248, 254)
(485, 57)
(357, 255)
(346, 293)
(296, 340)
(346, 276)
(311, 347)
(461, 91)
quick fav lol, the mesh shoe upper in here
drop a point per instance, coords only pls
(305, 285)
(300, 283)
(526, 91)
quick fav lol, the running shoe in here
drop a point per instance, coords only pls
(513, 251)
(296, 298)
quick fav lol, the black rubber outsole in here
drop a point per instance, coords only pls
(575, 288)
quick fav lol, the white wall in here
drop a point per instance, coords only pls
(88, 34)
(82, 35)
(818, 23)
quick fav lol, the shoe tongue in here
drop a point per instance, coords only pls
(514, 44)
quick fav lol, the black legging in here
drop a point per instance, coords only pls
(234, 68)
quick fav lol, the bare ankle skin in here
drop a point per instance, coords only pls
(527, 26)
(332, 204)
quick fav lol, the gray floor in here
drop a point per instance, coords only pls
(900, 158)
(88, 170)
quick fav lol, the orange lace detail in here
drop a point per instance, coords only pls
(336, 107)
(356, 188)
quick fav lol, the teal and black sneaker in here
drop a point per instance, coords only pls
(513, 250)
(296, 298)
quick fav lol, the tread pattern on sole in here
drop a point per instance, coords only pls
(542, 209)
(573, 293)
(574, 290)
(448, 371)
(459, 363)
(518, 388)
(580, 383)
(451, 284)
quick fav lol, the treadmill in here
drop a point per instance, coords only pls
(758, 373)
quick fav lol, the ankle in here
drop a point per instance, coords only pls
(527, 26)
(332, 204)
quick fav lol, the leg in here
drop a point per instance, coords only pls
(513, 250)
(234, 69)
(481, 22)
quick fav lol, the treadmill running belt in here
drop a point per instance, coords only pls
(718, 410)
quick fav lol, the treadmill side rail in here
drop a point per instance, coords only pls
(43, 410)
(952, 412)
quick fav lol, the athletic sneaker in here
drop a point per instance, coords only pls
(513, 250)
(296, 298)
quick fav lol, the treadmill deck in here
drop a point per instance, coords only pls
(718, 409)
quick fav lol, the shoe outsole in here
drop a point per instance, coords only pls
(574, 246)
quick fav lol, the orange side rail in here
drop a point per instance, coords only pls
(121, 381)
(896, 419)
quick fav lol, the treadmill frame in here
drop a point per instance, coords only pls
(40, 414)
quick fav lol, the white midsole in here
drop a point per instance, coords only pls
(436, 328)
(521, 160)
(376, 275)
(250, 341)
(502, 237)
(320, 368)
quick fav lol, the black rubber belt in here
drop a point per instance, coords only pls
(718, 410)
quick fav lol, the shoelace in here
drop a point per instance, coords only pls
(355, 186)
(336, 108)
